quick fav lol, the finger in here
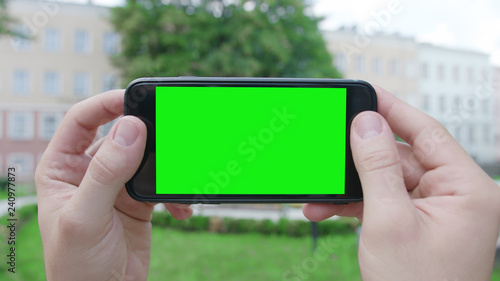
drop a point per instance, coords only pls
(179, 211)
(91, 151)
(378, 164)
(79, 126)
(412, 169)
(320, 211)
(112, 166)
(432, 144)
(63, 160)
(138, 210)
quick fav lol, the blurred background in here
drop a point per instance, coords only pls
(442, 57)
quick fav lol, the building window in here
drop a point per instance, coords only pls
(340, 63)
(458, 133)
(470, 75)
(485, 74)
(52, 83)
(456, 102)
(440, 72)
(486, 134)
(442, 103)
(81, 84)
(394, 67)
(425, 103)
(111, 43)
(109, 82)
(82, 41)
(360, 64)
(424, 71)
(20, 125)
(52, 39)
(377, 66)
(456, 74)
(22, 42)
(410, 70)
(48, 123)
(21, 82)
(472, 134)
(23, 162)
(485, 106)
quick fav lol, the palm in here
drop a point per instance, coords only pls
(91, 229)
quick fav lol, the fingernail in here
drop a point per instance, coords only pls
(368, 126)
(125, 134)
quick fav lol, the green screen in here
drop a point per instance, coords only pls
(250, 140)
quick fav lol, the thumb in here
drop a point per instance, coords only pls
(112, 166)
(378, 164)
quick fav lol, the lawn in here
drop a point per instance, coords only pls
(178, 255)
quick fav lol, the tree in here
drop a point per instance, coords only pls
(261, 38)
(5, 20)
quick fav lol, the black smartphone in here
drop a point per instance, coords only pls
(247, 140)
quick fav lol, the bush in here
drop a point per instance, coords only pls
(299, 228)
(334, 227)
(282, 227)
(27, 212)
(266, 226)
(197, 223)
(294, 228)
(4, 182)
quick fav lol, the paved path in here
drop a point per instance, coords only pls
(20, 202)
(244, 213)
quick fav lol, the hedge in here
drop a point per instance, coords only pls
(294, 228)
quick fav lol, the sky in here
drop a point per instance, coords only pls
(465, 24)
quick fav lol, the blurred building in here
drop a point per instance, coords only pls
(453, 86)
(66, 61)
(382, 59)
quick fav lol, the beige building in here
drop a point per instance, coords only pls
(66, 61)
(385, 60)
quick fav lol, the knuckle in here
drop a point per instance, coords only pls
(105, 169)
(379, 160)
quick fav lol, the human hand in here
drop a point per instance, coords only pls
(429, 211)
(91, 228)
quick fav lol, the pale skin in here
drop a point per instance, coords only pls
(430, 213)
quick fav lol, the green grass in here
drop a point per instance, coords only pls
(178, 255)
(29, 254)
(209, 256)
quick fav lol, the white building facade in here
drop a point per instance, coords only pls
(455, 87)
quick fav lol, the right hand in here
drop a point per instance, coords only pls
(429, 211)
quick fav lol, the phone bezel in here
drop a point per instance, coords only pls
(139, 101)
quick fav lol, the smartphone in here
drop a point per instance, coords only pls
(247, 140)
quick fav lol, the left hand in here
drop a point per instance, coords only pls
(91, 228)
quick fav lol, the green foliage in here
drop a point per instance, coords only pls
(5, 20)
(285, 227)
(4, 182)
(220, 38)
